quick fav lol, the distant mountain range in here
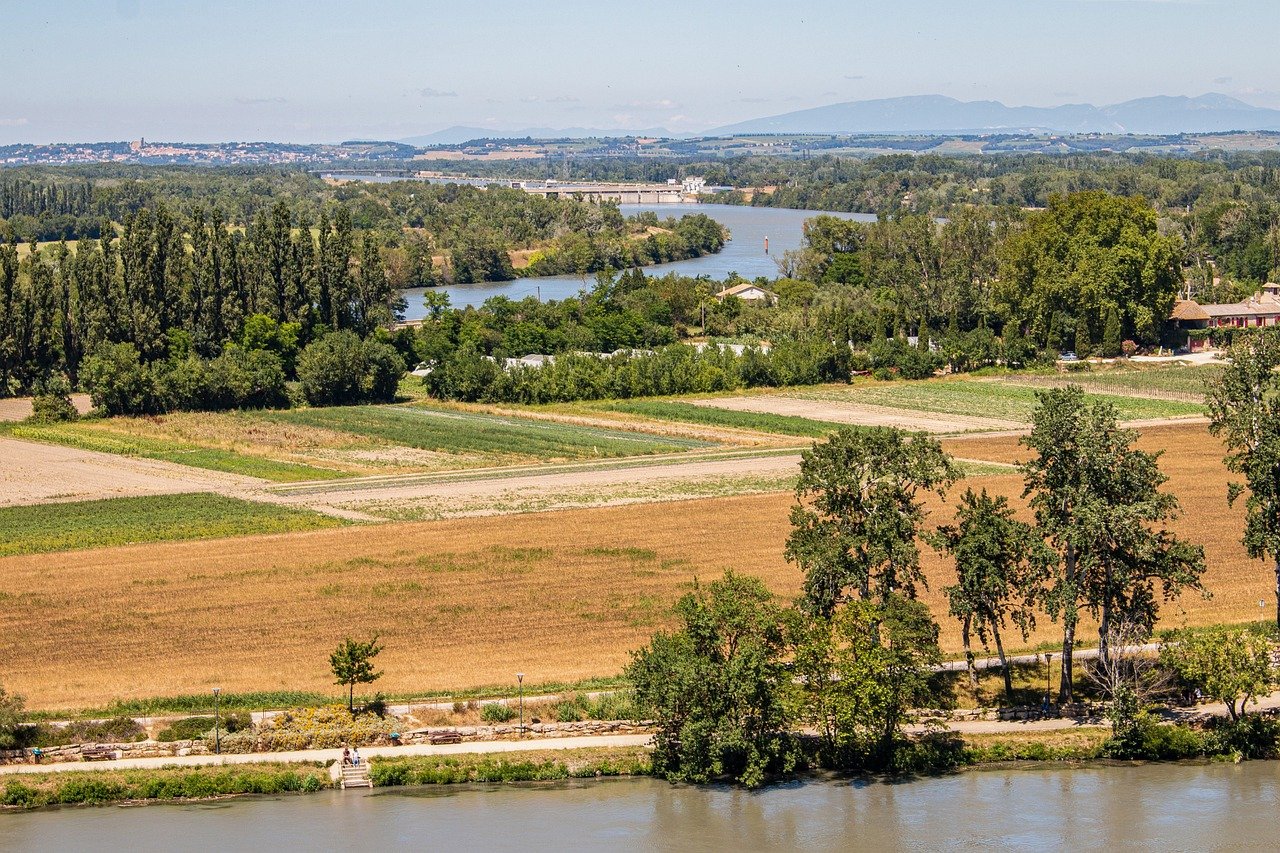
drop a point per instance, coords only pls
(937, 114)
(459, 133)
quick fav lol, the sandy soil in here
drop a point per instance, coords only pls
(41, 473)
(857, 413)
(19, 408)
(354, 493)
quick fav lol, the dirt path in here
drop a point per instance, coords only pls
(499, 484)
(19, 408)
(310, 755)
(31, 472)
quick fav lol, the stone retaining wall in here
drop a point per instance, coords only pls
(75, 751)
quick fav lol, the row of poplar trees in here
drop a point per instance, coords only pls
(200, 275)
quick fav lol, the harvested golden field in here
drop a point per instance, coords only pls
(466, 602)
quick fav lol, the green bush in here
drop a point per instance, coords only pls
(496, 712)
(116, 730)
(193, 728)
(167, 783)
(1252, 736)
(1149, 739)
(340, 369)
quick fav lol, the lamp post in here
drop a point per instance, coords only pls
(217, 723)
(520, 680)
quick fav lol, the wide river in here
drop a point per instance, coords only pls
(1156, 807)
(743, 254)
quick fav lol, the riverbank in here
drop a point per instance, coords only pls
(220, 777)
(143, 780)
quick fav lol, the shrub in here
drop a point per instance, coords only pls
(1252, 736)
(11, 718)
(119, 383)
(192, 728)
(496, 712)
(321, 728)
(340, 369)
(1147, 738)
(52, 402)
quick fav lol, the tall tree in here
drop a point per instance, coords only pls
(1244, 407)
(1000, 566)
(1098, 501)
(858, 514)
(859, 675)
(717, 686)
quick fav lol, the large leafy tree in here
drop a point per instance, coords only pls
(1231, 665)
(1084, 253)
(1097, 499)
(717, 685)
(859, 513)
(1244, 405)
(1000, 565)
(860, 674)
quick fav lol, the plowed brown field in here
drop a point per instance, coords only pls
(465, 602)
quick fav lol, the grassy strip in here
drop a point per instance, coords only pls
(536, 766)
(44, 528)
(448, 431)
(258, 700)
(670, 410)
(87, 436)
(166, 783)
(989, 399)
(1176, 382)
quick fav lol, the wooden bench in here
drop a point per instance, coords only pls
(445, 737)
(99, 753)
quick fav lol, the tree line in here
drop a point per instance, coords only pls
(858, 651)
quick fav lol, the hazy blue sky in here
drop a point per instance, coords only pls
(291, 70)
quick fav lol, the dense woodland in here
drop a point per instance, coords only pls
(1035, 256)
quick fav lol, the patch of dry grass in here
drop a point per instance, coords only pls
(465, 602)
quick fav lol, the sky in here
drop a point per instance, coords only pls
(325, 71)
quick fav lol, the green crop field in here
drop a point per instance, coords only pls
(671, 410)
(100, 436)
(154, 518)
(1178, 382)
(991, 399)
(449, 431)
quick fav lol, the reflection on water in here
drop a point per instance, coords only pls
(743, 254)
(1160, 807)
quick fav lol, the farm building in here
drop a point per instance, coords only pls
(1261, 309)
(749, 292)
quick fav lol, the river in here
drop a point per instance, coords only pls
(1154, 807)
(743, 254)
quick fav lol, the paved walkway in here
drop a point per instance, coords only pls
(311, 755)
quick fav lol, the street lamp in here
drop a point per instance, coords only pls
(520, 679)
(217, 720)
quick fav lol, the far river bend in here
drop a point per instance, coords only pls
(1153, 807)
(743, 254)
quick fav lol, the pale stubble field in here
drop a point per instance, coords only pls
(468, 602)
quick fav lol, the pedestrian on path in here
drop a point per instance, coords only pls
(355, 756)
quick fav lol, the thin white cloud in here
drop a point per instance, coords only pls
(262, 100)
(13, 122)
(429, 92)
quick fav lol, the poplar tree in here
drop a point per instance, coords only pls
(1098, 502)
(858, 514)
(1244, 410)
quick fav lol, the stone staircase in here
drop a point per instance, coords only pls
(356, 777)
